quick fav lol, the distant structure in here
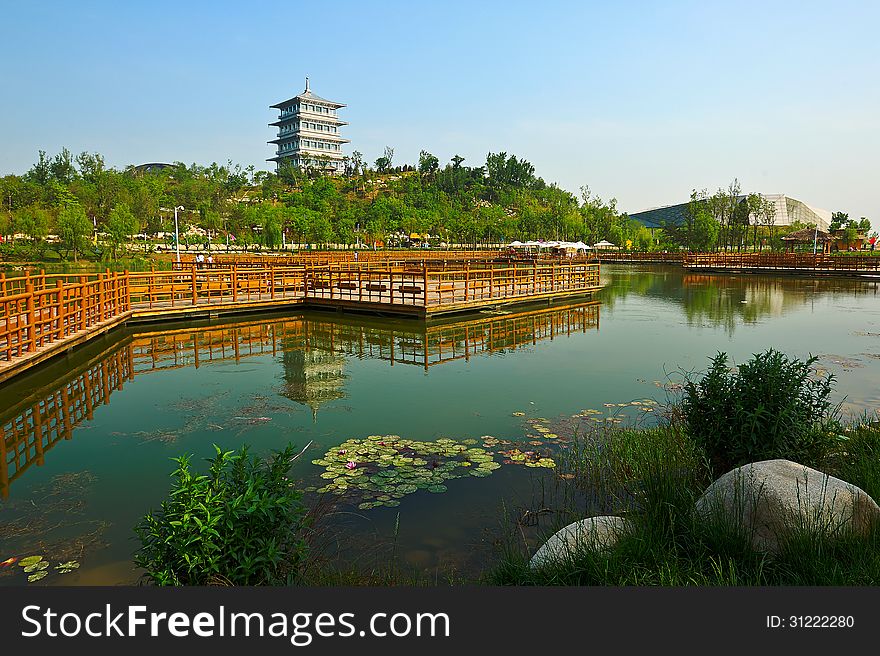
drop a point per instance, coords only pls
(788, 211)
(151, 167)
(308, 133)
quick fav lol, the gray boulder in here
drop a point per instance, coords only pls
(770, 498)
(593, 533)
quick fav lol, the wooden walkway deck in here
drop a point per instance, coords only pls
(44, 315)
(785, 263)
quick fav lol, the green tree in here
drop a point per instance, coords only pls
(74, 229)
(428, 164)
(120, 226)
(838, 220)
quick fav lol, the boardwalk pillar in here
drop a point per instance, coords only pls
(31, 319)
(425, 302)
(59, 312)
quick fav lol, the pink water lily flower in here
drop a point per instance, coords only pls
(351, 464)
(341, 452)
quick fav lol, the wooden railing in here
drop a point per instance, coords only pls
(319, 258)
(40, 314)
(618, 256)
(788, 261)
(37, 311)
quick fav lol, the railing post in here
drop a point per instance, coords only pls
(467, 280)
(272, 281)
(234, 277)
(534, 277)
(194, 293)
(126, 291)
(31, 319)
(425, 292)
(100, 316)
(83, 310)
(59, 313)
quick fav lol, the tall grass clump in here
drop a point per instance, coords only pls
(769, 407)
(857, 458)
(242, 523)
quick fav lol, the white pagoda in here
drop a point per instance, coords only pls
(308, 133)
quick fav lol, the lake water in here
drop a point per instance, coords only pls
(113, 414)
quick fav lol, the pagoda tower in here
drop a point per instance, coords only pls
(309, 133)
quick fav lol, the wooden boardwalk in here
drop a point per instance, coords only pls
(43, 315)
(785, 263)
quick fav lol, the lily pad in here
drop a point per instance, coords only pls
(36, 576)
(437, 489)
(66, 568)
(36, 567)
(29, 560)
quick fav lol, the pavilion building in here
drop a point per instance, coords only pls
(309, 133)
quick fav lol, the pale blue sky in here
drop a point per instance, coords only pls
(641, 101)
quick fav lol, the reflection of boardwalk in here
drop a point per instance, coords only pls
(35, 424)
(39, 422)
(41, 315)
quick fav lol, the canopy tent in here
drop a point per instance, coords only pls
(604, 244)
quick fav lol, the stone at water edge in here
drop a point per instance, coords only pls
(770, 497)
(592, 533)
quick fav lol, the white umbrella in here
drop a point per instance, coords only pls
(604, 244)
(515, 243)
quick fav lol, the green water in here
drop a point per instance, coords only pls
(326, 378)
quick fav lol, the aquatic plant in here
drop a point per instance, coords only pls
(241, 523)
(383, 469)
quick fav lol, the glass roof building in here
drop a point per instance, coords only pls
(788, 211)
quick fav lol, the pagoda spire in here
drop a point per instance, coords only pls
(307, 84)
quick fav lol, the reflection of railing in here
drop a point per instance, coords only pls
(39, 311)
(39, 422)
(434, 345)
(32, 426)
(783, 262)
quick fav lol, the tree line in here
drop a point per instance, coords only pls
(76, 205)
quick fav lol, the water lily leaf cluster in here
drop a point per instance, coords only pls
(37, 568)
(382, 469)
(527, 458)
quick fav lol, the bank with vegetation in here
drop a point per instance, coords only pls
(660, 489)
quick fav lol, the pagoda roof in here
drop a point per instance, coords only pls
(308, 95)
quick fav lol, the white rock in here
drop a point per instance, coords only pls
(593, 533)
(770, 498)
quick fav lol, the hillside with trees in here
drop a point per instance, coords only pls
(74, 206)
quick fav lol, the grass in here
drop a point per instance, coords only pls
(653, 477)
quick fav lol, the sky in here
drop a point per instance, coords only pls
(640, 101)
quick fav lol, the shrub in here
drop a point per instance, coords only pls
(242, 523)
(770, 407)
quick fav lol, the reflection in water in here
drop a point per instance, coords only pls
(312, 352)
(723, 300)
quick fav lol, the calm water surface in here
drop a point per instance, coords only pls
(114, 414)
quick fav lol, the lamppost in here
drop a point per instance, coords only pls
(176, 235)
